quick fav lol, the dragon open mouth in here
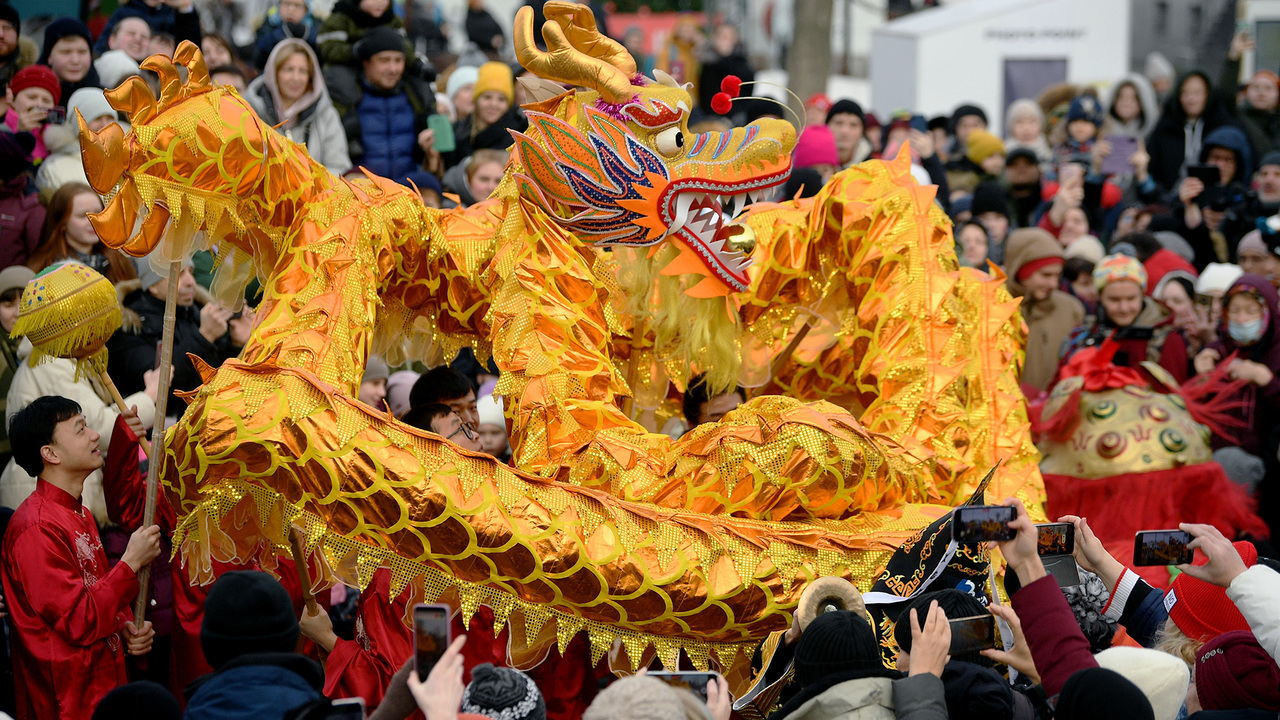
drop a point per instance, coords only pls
(703, 213)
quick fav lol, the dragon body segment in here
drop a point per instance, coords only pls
(616, 240)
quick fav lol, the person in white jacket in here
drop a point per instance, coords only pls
(64, 164)
(57, 377)
(290, 93)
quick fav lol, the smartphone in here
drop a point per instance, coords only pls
(443, 129)
(432, 633)
(971, 524)
(1162, 547)
(692, 680)
(56, 116)
(918, 122)
(972, 634)
(346, 709)
(1056, 538)
(1122, 149)
(1210, 175)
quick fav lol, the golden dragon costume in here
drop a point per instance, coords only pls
(608, 246)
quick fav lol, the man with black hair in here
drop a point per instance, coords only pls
(700, 407)
(847, 123)
(69, 612)
(447, 386)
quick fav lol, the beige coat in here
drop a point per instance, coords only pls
(57, 377)
(1049, 321)
(861, 699)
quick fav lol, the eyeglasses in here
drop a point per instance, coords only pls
(465, 429)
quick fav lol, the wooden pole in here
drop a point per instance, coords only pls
(156, 464)
(633, 366)
(299, 551)
(105, 379)
(786, 352)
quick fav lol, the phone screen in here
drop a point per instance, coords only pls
(694, 681)
(346, 709)
(1056, 538)
(431, 630)
(56, 116)
(1162, 547)
(982, 523)
(1122, 150)
(919, 123)
(972, 634)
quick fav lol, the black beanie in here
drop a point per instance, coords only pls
(965, 111)
(10, 13)
(836, 642)
(501, 692)
(846, 107)
(61, 28)
(247, 611)
(805, 181)
(141, 700)
(1101, 694)
(379, 39)
(955, 603)
(989, 197)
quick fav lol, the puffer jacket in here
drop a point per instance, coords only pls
(381, 126)
(21, 216)
(262, 686)
(1049, 321)
(313, 121)
(57, 377)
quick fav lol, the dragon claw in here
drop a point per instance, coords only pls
(103, 155)
(134, 99)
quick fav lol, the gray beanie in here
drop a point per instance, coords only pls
(503, 693)
(374, 369)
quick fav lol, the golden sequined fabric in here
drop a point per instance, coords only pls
(702, 544)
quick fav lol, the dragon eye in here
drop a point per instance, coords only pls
(670, 141)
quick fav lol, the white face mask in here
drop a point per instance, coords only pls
(1246, 333)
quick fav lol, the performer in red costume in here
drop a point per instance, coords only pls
(67, 610)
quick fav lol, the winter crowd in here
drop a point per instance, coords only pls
(1146, 212)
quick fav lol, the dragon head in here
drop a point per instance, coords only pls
(616, 163)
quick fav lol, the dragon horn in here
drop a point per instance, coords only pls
(188, 55)
(133, 98)
(562, 62)
(103, 155)
(579, 25)
(170, 82)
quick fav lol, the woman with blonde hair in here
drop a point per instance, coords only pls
(68, 235)
(290, 93)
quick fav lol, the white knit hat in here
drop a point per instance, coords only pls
(1163, 678)
(490, 409)
(1218, 277)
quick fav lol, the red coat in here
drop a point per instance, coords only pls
(66, 608)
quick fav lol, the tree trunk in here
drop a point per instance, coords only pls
(809, 64)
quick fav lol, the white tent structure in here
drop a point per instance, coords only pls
(992, 52)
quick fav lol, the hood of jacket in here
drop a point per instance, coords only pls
(833, 698)
(258, 684)
(974, 692)
(1146, 99)
(1267, 291)
(1173, 118)
(1230, 137)
(1023, 246)
(306, 104)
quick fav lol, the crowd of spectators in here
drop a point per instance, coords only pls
(1146, 211)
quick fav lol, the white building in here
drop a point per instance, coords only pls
(992, 52)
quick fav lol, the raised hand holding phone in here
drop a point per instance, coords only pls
(1225, 563)
(1022, 552)
(440, 695)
